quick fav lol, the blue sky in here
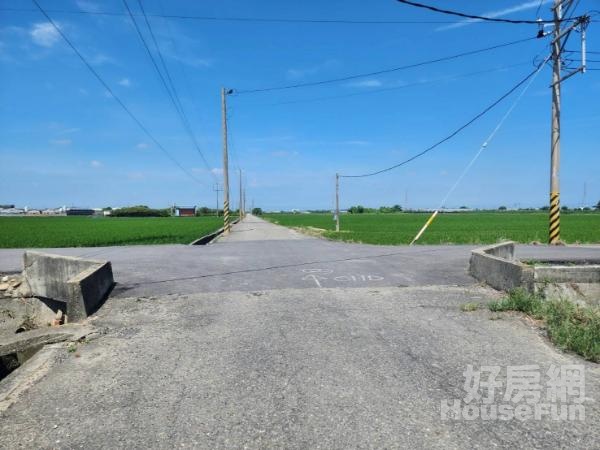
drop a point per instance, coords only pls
(65, 141)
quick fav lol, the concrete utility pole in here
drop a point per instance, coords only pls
(226, 224)
(337, 202)
(244, 203)
(217, 190)
(560, 35)
(241, 205)
(554, 225)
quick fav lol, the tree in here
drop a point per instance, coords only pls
(598, 206)
(397, 208)
(502, 208)
(257, 211)
(565, 208)
(356, 209)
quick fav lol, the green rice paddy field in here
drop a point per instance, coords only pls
(455, 228)
(49, 232)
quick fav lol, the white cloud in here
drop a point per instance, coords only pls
(101, 58)
(366, 83)
(190, 60)
(125, 82)
(96, 164)
(217, 171)
(87, 5)
(355, 142)
(142, 146)
(61, 141)
(69, 130)
(283, 153)
(136, 175)
(531, 4)
(295, 73)
(44, 34)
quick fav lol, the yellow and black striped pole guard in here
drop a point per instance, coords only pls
(554, 230)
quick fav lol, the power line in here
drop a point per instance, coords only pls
(245, 19)
(537, 12)
(117, 99)
(457, 131)
(474, 16)
(403, 86)
(171, 92)
(380, 72)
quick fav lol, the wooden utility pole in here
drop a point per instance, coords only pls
(337, 202)
(554, 223)
(226, 224)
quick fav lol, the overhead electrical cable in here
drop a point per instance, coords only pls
(483, 146)
(476, 17)
(114, 96)
(383, 71)
(168, 85)
(455, 132)
(244, 19)
(537, 12)
(399, 87)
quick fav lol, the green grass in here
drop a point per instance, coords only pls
(456, 228)
(469, 307)
(570, 327)
(31, 232)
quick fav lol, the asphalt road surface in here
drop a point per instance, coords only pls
(271, 339)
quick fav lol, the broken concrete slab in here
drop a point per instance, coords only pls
(82, 284)
(42, 336)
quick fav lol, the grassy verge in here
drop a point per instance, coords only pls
(52, 232)
(569, 326)
(447, 228)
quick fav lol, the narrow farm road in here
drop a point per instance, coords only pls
(272, 339)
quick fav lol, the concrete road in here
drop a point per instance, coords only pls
(289, 343)
(259, 256)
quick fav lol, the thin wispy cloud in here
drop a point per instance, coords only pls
(296, 73)
(283, 153)
(125, 82)
(531, 4)
(44, 34)
(191, 61)
(101, 58)
(87, 5)
(61, 141)
(96, 164)
(366, 83)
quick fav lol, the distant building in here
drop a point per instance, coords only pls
(12, 212)
(80, 212)
(184, 211)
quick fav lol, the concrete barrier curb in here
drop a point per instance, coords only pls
(212, 236)
(80, 283)
(496, 266)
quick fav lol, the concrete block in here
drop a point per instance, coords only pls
(496, 266)
(80, 283)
